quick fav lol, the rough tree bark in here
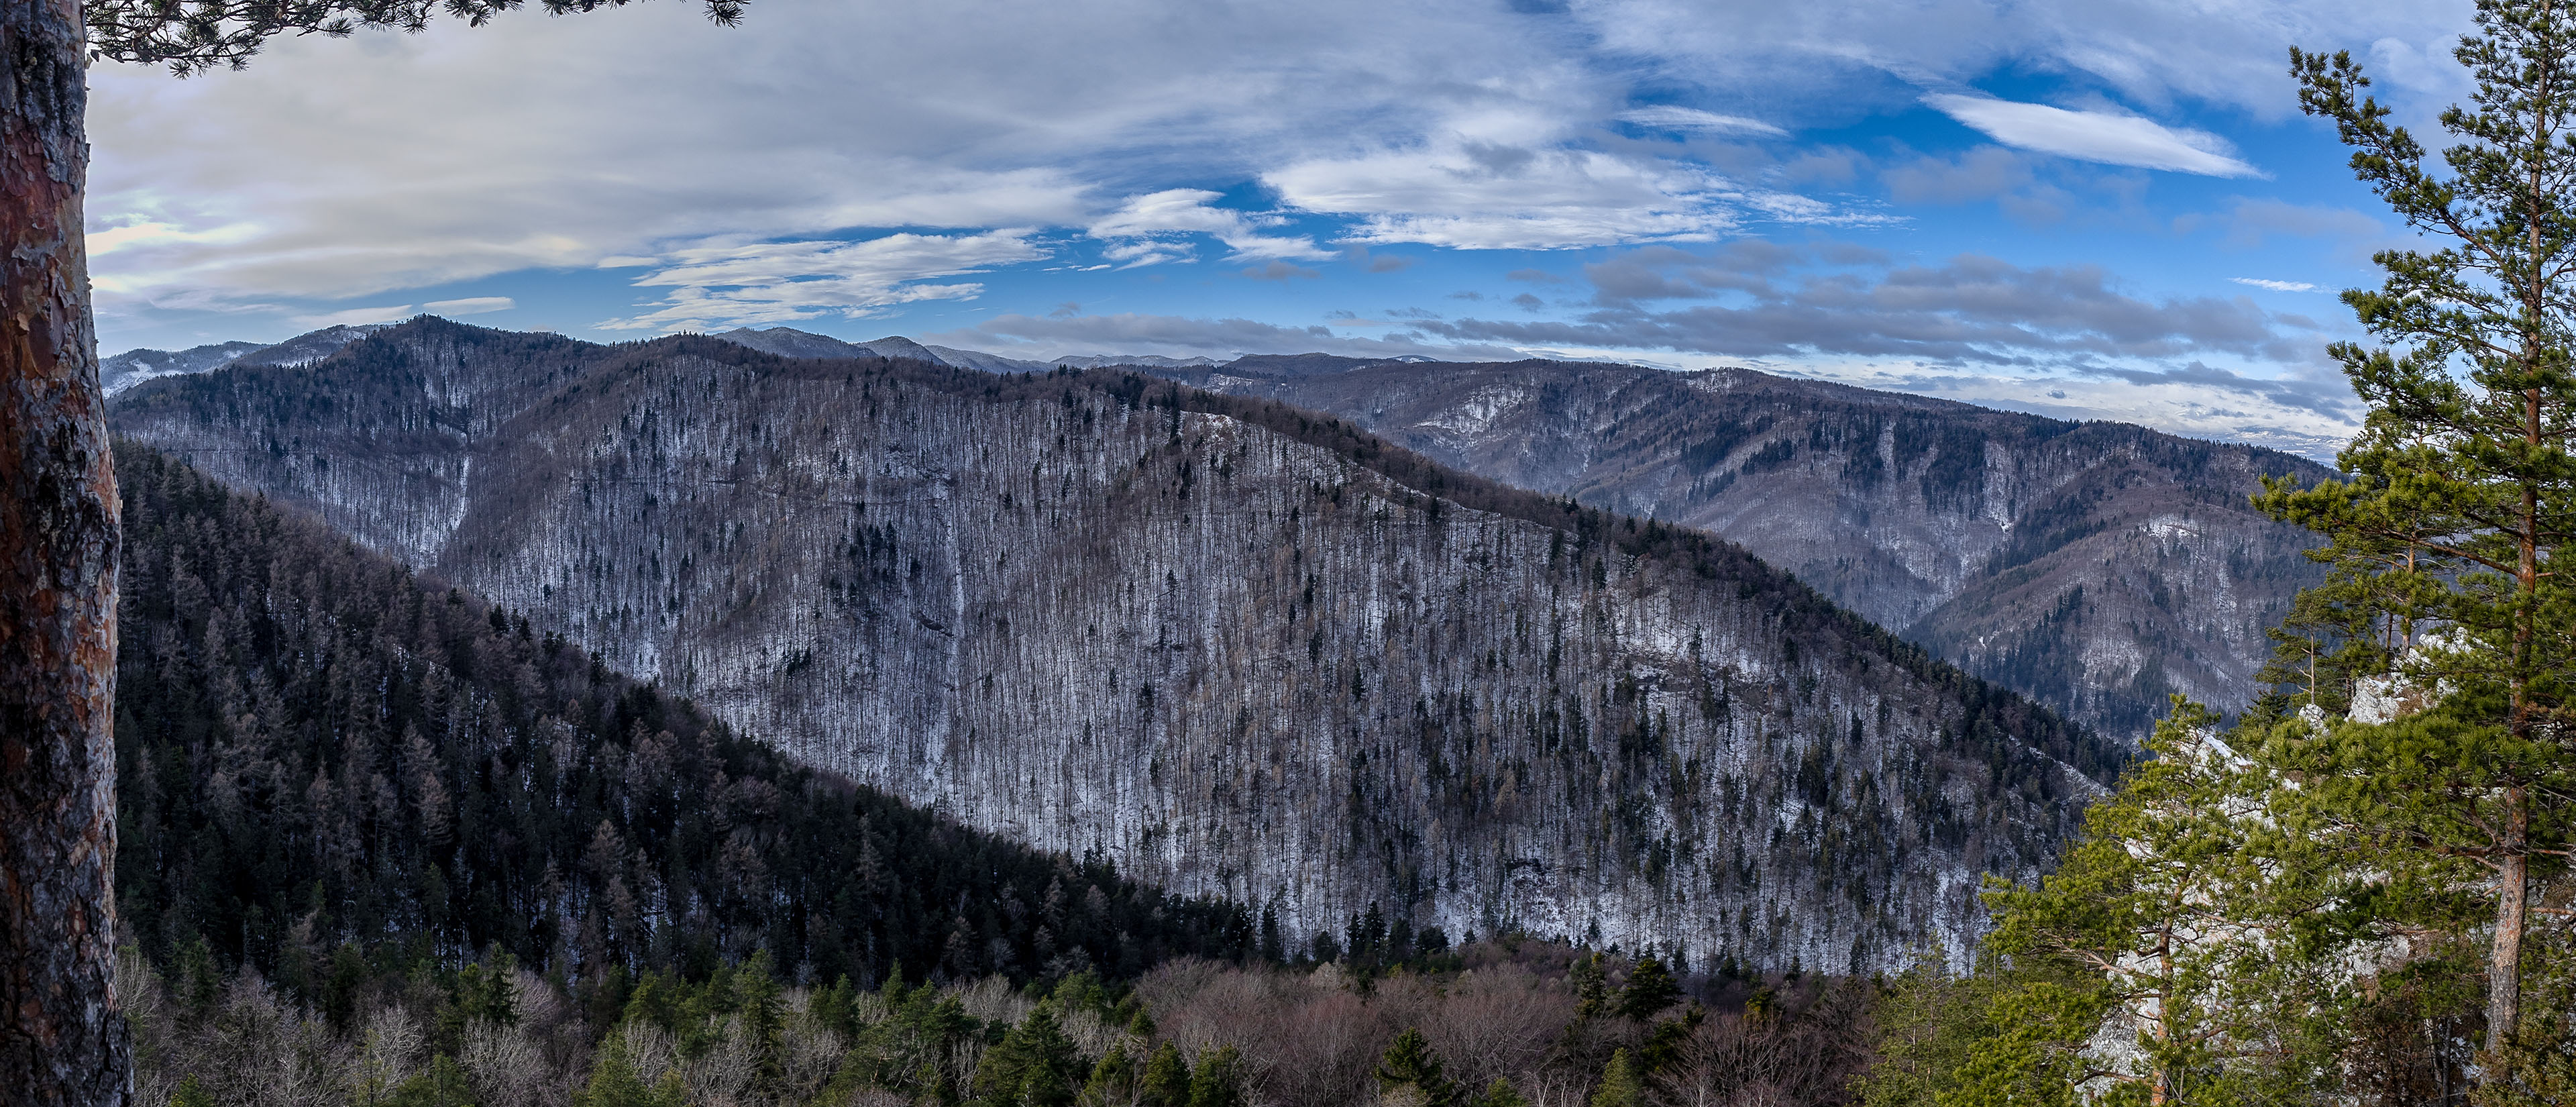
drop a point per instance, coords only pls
(62, 1039)
(2513, 886)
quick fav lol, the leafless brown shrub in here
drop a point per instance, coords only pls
(1803, 1051)
(1498, 1021)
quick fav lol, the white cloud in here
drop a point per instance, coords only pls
(1039, 339)
(2276, 286)
(356, 317)
(785, 282)
(471, 305)
(1142, 230)
(342, 168)
(2095, 136)
(1673, 118)
(1494, 197)
(2184, 405)
(351, 172)
(148, 233)
(1835, 62)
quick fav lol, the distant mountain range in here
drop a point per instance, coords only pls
(1237, 647)
(789, 342)
(2098, 567)
(133, 367)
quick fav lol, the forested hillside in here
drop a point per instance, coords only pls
(1241, 649)
(384, 843)
(322, 756)
(2099, 568)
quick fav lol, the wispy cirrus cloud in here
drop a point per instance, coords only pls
(357, 317)
(2095, 136)
(785, 282)
(471, 305)
(2275, 286)
(1153, 228)
(1502, 196)
(1764, 300)
(1041, 338)
(1672, 117)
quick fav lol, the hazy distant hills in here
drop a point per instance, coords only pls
(133, 367)
(2099, 567)
(789, 342)
(1235, 646)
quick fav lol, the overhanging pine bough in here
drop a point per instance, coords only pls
(62, 1041)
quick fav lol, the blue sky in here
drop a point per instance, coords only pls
(2102, 210)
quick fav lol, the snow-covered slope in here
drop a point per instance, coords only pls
(2098, 567)
(133, 367)
(1236, 647)
(309, 347)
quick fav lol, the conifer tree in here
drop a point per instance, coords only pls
(1034, 1064)
(1412, 1072)
(2460, 489)
(1218, 1078)
(1650, 989)
(1500, 1093)
(1591, 986)
(2175, 919)
(1114, 1081)
(1167, 1078)
(614, 1081)
(1621, 1084)
(756, 999)
(444, 1085)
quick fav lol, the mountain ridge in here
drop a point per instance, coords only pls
(1209, 635)
(2102, 567)
(2099, 566)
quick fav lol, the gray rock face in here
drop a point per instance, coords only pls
(2098, 567)
(1238, 648)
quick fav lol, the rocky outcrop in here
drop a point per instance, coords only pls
(1237, 647)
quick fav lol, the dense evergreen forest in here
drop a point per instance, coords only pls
(320, 753)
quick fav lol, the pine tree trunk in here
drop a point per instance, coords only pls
(62, 1039)
(2504, 970)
